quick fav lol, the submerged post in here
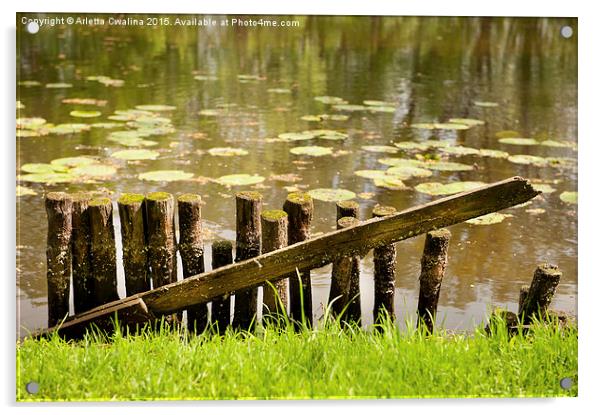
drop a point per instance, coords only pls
(434, 262)
(161, 242)
(542, 289)
(58, 255)
(384, 273)
(221, 255)
(248, 245)
(80, 249)
(274, 235)
(133, 239)
(300, 209)
(103, 255)
(191, 252)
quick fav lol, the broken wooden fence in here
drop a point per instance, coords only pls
(81, 248)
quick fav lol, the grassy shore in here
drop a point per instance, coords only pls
(321, 363)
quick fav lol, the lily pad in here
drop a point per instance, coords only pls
(489, 219)
(25, 191)
(205, 78)
(440, 189)
(227, 151)
(211, 112)
(304, 135)
(32, 123)
(29, 133)
(372, 174)
(561, 161)
(85, 114)
(471, 122)
(507, 134)
(94, 170)
(240, 180)
(405, 172)
(331, 195)
(401, 162)
(460, 150)
(375, 103)
(386, 109)
(70, 162)
(135, 155)
(446, 166)
(49, 178)
(279, 91)
(544, 188)
(42, 168)
(486, 104)
(64, 129)
(519, 141)
(380, 149)
(569, 197)
(391, 183)
(165, 175)
(133, 141)
(107, 125)
(314, 151)
(493, 153)
(155, 107)
(29, 83)
(559, 144)
(85, 101)
(330, 100)
(59, 85)
(325, 117)
(328, 134)
(440, 126)
(411, 145)
(527, 159)
(349, 107)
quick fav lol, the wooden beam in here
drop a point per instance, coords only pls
(321, 250)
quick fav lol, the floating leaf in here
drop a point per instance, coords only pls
(493, 153)
(446, 166)
(133, 141)
(70, 162)
(106, 125)
(405, 172)
(569, 197)
(349, 107)
(165, 175)
(401, 162)
(519, 141)
(330, 100)
(135, 155)
(544, 188)
(328, 134)
(331, 195)
(527, 159)
(59, 85)
(210, 112)
(304, 135)
(227, 151)
(391, 182)
(471, 122)
(49, 178)
(94, 170)
(559, 144)
(240, 180)
(25, 191)
(382, 109)
(20, 106)
(372, 174)
(411, 145)
(42, 168)
(29, 133)
(486, 104)
(440, 126)
(489, 219)
(206, 78)
(325, 117)
(85, 101)
(85, 114)
(561, 161)
(460, 150)
(374, 103)
(64, 129)
(155, 107)
(380, 149)
(29, 83)
(439, 189)
(314, 151)
(32, 123)
(279, 91)
(507, 134)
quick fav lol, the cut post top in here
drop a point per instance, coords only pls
(273, 215)
(100, 201)
(380, 211)
(249, 195)
(130, 199)
(347, 221)
(81, 196)
(190, 198)
(159, 196)
(299, 198)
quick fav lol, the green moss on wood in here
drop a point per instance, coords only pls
(380, 211)
(100, 201)
(347, 221)
(57, 196)
(440, 233)
(273, 215)
(158, 196)
(249, 195)
(299, 198)
(131, 198)
(81, 196)
(348, 204)
(189, 198)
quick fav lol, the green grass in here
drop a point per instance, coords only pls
(320, 363)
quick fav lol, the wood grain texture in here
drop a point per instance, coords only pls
(133, 238)
(80, 249)
(384, 258)
(274, 236)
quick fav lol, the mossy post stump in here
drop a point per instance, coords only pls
(274, 235)
(161, 241)
(221, 255)
(433, 262)
(248, 245)
(191, 252)
(348, 208)
(80, 251)
(300, 209)
(542, 289)
(524, 291)
(59, 206)
(384, 273)
(103, 255)
(133, 239)
(346, 282)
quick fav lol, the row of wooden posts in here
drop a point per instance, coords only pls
(81, 249)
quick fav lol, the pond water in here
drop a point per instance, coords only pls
(515, 74)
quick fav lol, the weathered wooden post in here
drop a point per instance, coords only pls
(80, 249)
(161, 242)
(103, 255)
(384, 272)
(58, 255)
(348, 208)
(524, 291)
(434, 262)
(542, 289)
(221, 255)
(274, 235)
(248, 245)
(300, 208)
(191, 251)
(135, 261)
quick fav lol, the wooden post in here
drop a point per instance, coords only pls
(59, 206)
(248, 245)
(348, 208)
(103, 256)
(274, 228)
(384, 272)
(80, 247)
(135, 261)
(300, 209)
(191, 252)
(524, 291)
(434, 261)
(221, 255)
(542, 289)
